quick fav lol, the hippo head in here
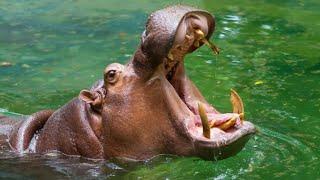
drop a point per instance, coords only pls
(149, 106)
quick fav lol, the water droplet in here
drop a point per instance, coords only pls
(5, 64)
(25, 66)
(266, 26)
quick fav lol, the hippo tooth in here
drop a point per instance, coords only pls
(170, 56)
(228, 124)
(211, 123)
(188, 37)
(200, 33)
(203, 39)
(213, 47)
(199, 37)
(241, 115)
(237, 104)
(204, 120)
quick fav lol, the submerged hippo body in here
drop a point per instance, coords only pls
(144, 108)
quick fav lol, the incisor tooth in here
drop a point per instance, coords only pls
(237, 104)
(228, 124)
(188, 37)
(204, 120)
(199, 33)
(170, 56)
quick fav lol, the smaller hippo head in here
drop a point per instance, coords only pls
(149, 106)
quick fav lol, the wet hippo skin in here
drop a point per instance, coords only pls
(146, 107)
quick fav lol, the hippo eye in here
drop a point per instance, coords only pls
(111, 76)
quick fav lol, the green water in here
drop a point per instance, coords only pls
(270, 55)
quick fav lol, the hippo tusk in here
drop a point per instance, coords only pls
(237, 104)
(204, 120)
(202, 38)
(213, 47)
(228, 124)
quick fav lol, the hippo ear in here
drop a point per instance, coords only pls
(94, 98)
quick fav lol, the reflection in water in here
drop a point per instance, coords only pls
(231, 26)
(269, 54)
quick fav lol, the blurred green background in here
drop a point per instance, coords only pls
(270, 53)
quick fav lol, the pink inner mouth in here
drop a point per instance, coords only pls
(215, 119)
(190, 96)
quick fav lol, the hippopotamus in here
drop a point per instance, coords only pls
(146, 107)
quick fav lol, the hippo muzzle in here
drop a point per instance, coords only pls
(170, 34)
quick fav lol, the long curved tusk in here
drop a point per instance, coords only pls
(204, 120)
(237, 104)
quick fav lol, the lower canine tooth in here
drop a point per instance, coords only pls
(228, 124)
(241, 115)
(204, 120)
(237, 104)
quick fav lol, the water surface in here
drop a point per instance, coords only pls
(270, 55)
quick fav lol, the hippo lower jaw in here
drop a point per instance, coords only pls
(220, 144)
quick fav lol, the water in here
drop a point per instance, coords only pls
(270, 55)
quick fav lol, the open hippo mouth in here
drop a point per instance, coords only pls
(215, 135)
